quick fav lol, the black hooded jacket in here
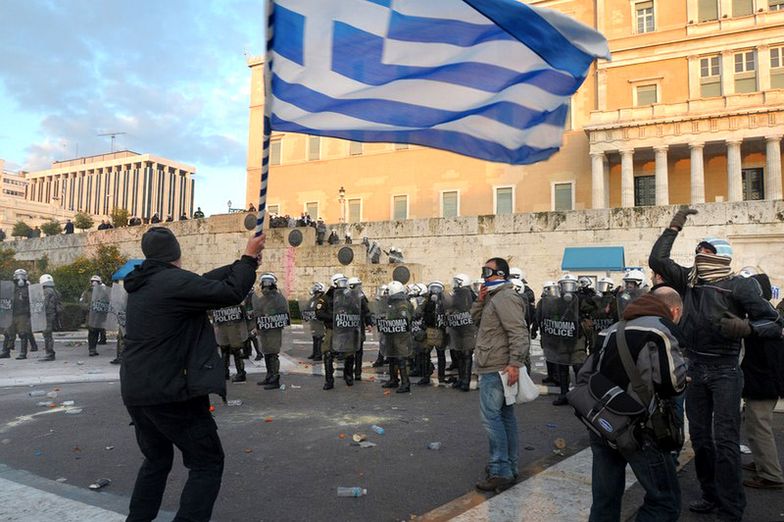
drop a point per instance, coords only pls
(170, 349)
(763, 362)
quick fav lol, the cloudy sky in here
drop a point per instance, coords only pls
(169, 73)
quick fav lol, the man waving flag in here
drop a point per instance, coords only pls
(490, 79)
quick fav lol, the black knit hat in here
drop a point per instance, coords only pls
(159, 244)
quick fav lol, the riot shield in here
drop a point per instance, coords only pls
(307, 313)
(118, 301)
(100, 309)
(37, 308)
(625, 297)
(6, 304)
(394, 325)
(272, 311)
(347, 320)
(231, 326)
(457, 308)
(559, 328)
(605, 313)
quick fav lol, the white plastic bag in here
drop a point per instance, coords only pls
(524, 390)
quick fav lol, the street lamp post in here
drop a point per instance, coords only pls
(229, 205)
(342, 200)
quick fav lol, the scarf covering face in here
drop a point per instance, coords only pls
(710, 268)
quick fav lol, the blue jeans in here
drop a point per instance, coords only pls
(500, 424)
(713, 409)
(655, 471)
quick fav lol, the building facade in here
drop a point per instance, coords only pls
(14, 207)
(143, 184)
(690, 109)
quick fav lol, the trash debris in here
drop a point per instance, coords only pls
(38, 453)
(295, 387)
(76, 449)
(341, 436)
(93, 371)
(67, 403)
(434, 446)
(367, 444)
(100, 483)
(377, 429)
(745, 449)
(359, 437)
(559, 443)
(529, 448)
(268, 419)
(212, 408)
(109, 448)
(79, 363)
(282, 387)
(5, 441)
(37, 393)
(73, 411)
(44, 403)
(235, 402)
(387, 392)
(351, 492)
(248, 450)
(551, 425)
(61, 479)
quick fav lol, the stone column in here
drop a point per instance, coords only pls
(597, 180)
(734, 176)
(627, 178)
(727, 66)
(763, 67)
(606, 179)
(694, 77)
(773, 168)
(662, 176)
(697, 173)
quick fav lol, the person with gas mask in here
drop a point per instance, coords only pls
(54, 308)
(93, 332)
(355, 284)
(394, 323)
(309, 316)
(435, 333)
(461, 328)
(381, 295)
(563, 340)
(633, 287)
(20, 324)
(720, 309)
(549, 289)
(272, 315)
(604, 312)
(340, 308)
(417, 299)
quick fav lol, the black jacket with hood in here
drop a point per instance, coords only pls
(170, 350)
(763, 362)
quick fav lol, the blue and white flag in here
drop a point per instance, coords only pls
(490, 79)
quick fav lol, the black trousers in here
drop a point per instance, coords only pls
(190, 427)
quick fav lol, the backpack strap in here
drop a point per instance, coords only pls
(631, 369)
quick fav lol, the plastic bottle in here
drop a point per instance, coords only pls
(37, 393)
(351, 492)
(235, 402)
(434, 446)
(377, 429)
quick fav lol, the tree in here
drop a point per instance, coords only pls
(83, 221)
(51, 228)
(74, 278)
(21, 229)
(7, 263)
(119, 217)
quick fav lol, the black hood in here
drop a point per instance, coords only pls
(139, 275)
(764, 281)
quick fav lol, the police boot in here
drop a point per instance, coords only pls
(468, 365)
(416, 366)
(441, 366)
(563, 377)
(348, 370)
(226, 360)
(247, 350)
(102, 336)
(405, 383)
(23, 349)
(393, 382)
(358, 365)
(255, 341)
(5, 353)
(49, 348)
(33, 344)
(274, 382)
(454, 364)
(239, 363)
(460, 360)
(329, 372)
(318, 342)
(379, 362)
(426, 369)
(268, 366)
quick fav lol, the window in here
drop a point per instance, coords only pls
(742, 7)
(644, 15)
(644, 191)
(745, 72)
(708, 10)
(776, 5)
(314, 148)
(273, 209)
(562, 196)
(311, 209)
(753, 184)
(275, 152)
(404, 146)
(710, 76)
(450, 204)
(355, 148)
(504, 200)
(777, 67)
(646, 95)
(400, 207)
(354, 210)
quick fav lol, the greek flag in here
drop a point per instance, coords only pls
(491, 79)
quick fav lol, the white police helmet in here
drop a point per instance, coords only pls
(604, 285)
(461, 280)
(96, 279)
(317, 288)
(518, 285)
(20, 273)
(634, 276)
(515, 273)
(568, 283)
(353, 282)
(435, 287)
(396, 287)
(551, 288)
(339, 281)
(46, 280)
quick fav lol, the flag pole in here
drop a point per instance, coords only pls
(270, 15)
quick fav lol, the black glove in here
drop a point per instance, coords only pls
(679, 219)
(734, 327)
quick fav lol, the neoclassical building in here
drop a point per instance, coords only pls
(689, 109)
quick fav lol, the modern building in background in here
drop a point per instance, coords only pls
(14, 207)
(690, 109)
(143, 184)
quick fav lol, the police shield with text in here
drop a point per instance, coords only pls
(355, 284)
(394, 323)
(20, 324)
(53, 309)
(231, 333)
(605, 310)
(435, 332)
(272, 316)
(461, 328)
(312, 324)
(119, 305)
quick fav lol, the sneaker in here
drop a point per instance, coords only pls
(701, 506)
(761, 483)
(496, 484)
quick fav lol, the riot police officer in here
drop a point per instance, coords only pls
(53, 306)
(315, 326)
(355, 284)
(549, 289)
(272, 315)
(21, 318)
(461, 328)
(231, 334)
(340, 309)
(394, 323)
(633, 287)
(94, 329)
(605, 311)
(435, 333)
(381, 294)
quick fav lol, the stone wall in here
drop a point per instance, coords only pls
(439, 248)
